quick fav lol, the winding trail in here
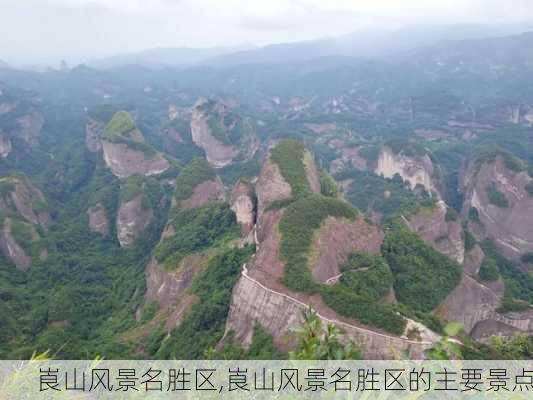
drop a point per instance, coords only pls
(245, 275)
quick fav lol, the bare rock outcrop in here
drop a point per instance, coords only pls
(242, 204)
(98, 221)
(211, 190)
(472, 304)
(508, 224)
(23, 199)
(224, 136)
(29, 127)
(417, 170)
(125, 151)
(93, 133)
(12, 250)
(133, 218)
(5, 146)
(443, 234)
(125, 161)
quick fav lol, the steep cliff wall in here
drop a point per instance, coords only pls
(242, 203)
(224, 136)
(133, 218)
(504, 206)
(418, 170)
(442, 233)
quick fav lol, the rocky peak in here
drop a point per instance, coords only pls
(440, 227)
(242, 203)
(225, 136)
(413, 167)
(498, 202)
(125, 151)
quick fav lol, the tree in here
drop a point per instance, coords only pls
(315, 343)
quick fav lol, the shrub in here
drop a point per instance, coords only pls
(328, 186)
(364, 309)
(473, 214)
(368, 275)
(489, 270)
(289, 156)
(196, 172)
(422, 276)
(529, 188)
(299, 221)
(496, 197)
(196, 229)
(120, 125)
(451, 215)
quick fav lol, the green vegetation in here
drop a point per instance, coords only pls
(518, 284)
(328, 186)
(365, 281)
(196, 229)
(204, 324)
(299, 222)
(529, 188)
(422, 276)
(488, 271)
(369, 153)
(261, 348)
(518, 347)
(408, 148)
(470, 240)
(527, 258)
(370, 192)
(217, 129)
(367, 275)
(451, 215)
(132, 187)
(120, 125)
(496, 197)
(488, 154)
(196, 172)
(366, 310)
(289, 156)
(315, 343)
(473, 214)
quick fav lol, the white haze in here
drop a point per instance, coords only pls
(46, 31)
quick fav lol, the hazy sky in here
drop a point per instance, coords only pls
(77, 30)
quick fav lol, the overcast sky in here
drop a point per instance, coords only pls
(48, 30)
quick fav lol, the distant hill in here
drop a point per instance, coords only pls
(362, 44)
(166, 57)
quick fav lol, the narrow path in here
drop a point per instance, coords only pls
(333, 279)
(333, 321)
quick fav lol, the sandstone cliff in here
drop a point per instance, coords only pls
(224, 136)
(261, 297)
(417, 169)
(242, 203)
(125, 151)
(133, 218)
(98, 221)
(503, 205)
(440, 230)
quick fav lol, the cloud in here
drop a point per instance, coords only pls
(39, 30)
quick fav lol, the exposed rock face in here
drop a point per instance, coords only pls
(271, 187)
(242, 204)
(167, 287)
(93, 133)
(125, 161)
(205, 192)
(30, 126)
(444, 236)
(5, 146)
(212, 132)
(11, 249)
(253, 302)
(132, 221)
(473, 304)
(98, 221)
(349, 157)
(260, 296)
(417, 170)
(509, 227)
(25, 200)
(336, 240)
(473, 260)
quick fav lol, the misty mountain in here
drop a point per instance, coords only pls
(365, 44)
(166, 57)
